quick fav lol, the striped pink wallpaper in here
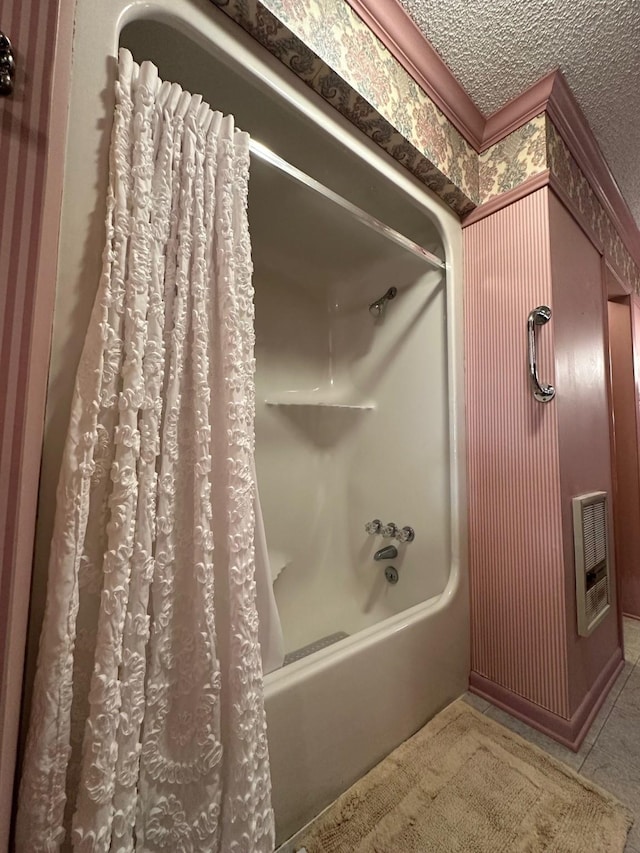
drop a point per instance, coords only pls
(23, 128)
(515, 525)
(582, 367)
(29, 198)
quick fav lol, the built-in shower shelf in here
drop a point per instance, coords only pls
(325, 404)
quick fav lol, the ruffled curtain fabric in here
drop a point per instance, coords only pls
(148, 728)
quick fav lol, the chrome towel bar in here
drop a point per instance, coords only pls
(540, 316)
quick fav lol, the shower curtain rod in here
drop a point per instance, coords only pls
(268, 156)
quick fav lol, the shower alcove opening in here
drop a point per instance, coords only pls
(357, 417)
(352, 419)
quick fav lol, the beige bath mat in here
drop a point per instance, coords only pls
(465, 784)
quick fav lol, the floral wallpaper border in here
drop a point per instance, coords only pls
(563, 165)
(510, 162)
(333, 51)
(535, 147)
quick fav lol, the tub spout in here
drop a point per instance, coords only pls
(388, 553)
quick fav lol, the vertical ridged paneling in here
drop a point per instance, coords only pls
(24, 124)
(515, 525)
(584, 445)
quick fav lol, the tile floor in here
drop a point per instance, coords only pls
(610, 754)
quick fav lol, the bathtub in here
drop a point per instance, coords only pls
(334, 714)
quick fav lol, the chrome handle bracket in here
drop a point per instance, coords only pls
(542, 392)
(389, 530)
(7, 66)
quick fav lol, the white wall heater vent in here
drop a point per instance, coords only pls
(592, 560)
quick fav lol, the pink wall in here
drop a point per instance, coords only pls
(580, 323)
(517, 574)
(32, 129)
(526, 460)
(633, 607)
(627, 490)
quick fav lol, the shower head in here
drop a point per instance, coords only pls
(376, 309)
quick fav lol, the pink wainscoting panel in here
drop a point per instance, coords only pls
(515, 531)
(627, 463)
(583, 420)
(30, 193)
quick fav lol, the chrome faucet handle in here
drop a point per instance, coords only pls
(406, 534)
(389, 531)
(373, 527)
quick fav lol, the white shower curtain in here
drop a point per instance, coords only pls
(147, 727)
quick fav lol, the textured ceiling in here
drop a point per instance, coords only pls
(498, 48)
